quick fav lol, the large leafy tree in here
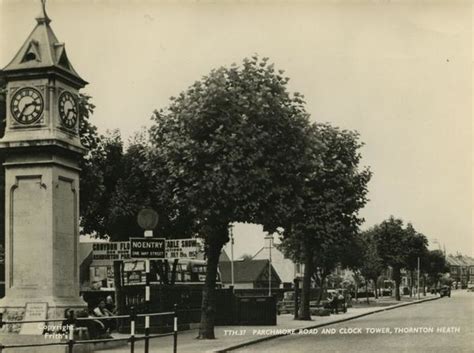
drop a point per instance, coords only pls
(232, 147)
(116, 185)
(101, 170)
(333, 193)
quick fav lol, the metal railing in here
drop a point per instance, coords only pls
(71, 323)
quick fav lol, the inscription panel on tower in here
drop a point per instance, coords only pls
(64, 244)
(29, 215)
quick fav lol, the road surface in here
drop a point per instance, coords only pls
(445, 326)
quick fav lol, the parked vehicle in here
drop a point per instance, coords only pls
(287, 304)
(445, 291)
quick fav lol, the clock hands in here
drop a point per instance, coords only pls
(69, 111)
(26, 106)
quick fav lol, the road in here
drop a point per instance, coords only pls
(445, 325)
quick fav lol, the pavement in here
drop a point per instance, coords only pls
(230, 338)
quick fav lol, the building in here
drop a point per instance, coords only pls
(461, 268)
(249, 274)
(286, 269)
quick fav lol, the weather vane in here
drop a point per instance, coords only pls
(43, 17)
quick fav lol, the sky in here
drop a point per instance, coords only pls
(400, 73)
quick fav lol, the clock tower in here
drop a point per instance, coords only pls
(41, 150)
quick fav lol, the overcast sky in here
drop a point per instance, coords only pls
(398, 72)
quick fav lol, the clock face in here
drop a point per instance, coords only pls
(27, 105)
(68, 109)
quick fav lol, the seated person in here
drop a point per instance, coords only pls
(109, 304)
(341, 301)
(95, 328)
(100, 311)
(332, 303)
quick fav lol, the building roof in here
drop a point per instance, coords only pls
(42, 50)
(459, 260)
(85, 249)
(245, 271)
(284, 266)
(223, 256)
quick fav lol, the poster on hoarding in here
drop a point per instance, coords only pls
(116, 250)
(183, 248)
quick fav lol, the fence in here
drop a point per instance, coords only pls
(72, 322)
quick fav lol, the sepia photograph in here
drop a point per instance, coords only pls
(236, 176)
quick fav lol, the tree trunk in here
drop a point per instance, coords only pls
(356, 296)
(367, 291)
(319, 281)
(397, 279)
(376, 289)
(411, 283)
(424, 285)
(119, 297)
(305, 313)
(216, 237)
(173, 271)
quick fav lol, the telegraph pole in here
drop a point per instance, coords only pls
(270, 242)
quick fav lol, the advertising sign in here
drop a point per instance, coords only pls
(182, 248)
(118, 250)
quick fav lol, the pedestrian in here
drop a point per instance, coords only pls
(334, 302)
(341, 301)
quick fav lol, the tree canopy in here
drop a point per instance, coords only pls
(233, 148)
(399, 247)
(321, 230)
(434, 264)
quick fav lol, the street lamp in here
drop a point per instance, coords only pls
(270, 244)
(418, 284)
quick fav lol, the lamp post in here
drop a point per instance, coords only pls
(418, 286)
(270, 244)
(231, 233)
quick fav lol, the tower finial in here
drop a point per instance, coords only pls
(43, 17)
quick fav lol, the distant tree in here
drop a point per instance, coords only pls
(392, 241)
(417, 248)
(232, 147)
(246, 257)
(372, 264)
(435, 265)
